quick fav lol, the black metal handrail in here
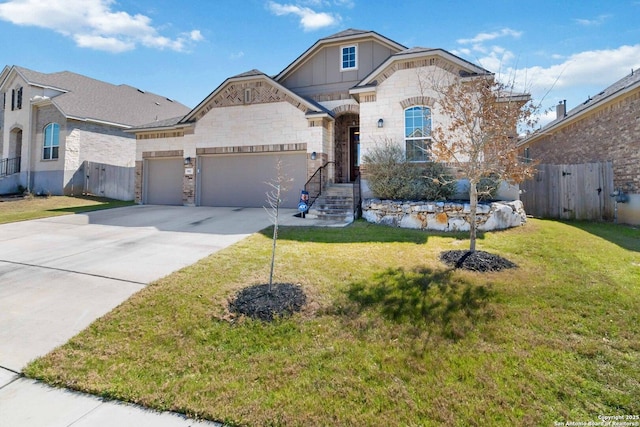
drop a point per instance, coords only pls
(315, 184)
(9, 166)
(357, 198)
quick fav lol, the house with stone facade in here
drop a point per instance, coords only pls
(50, 123)
(604, 128)
(319, 115)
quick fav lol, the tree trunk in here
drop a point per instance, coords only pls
(473, 202)
(276, 208)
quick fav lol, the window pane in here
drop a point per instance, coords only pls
(56, 135)
(349, 57)
(51, 140)
(417, 122)
(417, 150)
(47, 136)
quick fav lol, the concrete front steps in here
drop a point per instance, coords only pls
(334, 204)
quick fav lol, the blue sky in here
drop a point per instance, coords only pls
(184, 49)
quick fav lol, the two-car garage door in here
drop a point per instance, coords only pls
(241, 180)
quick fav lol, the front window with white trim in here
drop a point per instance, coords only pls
(417, 133)
(349, 58)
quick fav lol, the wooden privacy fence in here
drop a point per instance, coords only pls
(113, 182)
(580, 191)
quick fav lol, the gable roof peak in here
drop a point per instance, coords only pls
(346, 33)
(250, 73)
(416, 49)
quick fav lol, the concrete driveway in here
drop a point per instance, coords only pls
(59, 274)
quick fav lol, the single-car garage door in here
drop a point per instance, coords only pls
(164, 181)
(240, 180)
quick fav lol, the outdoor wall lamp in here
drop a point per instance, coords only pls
(314, 155)
(380, 123)
(187, 161)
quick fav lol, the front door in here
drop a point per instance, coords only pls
(354, 153)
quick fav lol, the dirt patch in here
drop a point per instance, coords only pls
(257, 303)
(475, 261)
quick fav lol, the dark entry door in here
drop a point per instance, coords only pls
(354, 153)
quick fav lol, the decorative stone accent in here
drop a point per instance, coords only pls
(188, 184)
(138, 184)
(443, 216)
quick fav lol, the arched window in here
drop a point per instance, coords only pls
(51, 141)
(417, 133)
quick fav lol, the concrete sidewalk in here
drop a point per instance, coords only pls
(60, 274)
(27, 403)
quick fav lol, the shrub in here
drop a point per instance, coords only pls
(488, 187)
(390, 176)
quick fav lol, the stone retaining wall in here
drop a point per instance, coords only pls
(443, 216)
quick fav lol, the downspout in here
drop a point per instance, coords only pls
(29, 142)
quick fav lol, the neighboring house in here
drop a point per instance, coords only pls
(328, 107)
(51, 123)
(604, 128)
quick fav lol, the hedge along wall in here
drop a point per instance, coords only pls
(443, 216)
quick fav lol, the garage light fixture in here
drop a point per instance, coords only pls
(187, 160)
(380, 123)
(314, 155)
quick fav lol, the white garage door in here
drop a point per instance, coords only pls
(164, 181)
(240, 180)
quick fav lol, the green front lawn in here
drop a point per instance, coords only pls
(33, 207)
(390, 336)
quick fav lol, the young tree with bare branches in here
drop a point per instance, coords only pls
(479, 130)
(278, 186)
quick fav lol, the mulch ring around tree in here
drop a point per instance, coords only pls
(475, 261)
(257, 303)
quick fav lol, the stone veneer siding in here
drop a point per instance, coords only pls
(443, 216)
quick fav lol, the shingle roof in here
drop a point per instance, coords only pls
(87, 98)
(161, 123)
(345, 33)
(609, 92)
(249, 73)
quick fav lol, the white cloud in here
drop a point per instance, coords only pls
(493, 57)
(309, 19)
(483, 37)
(109, 44)
(496, 59)
(592, 68)
(349, 4)
(93, 24)
(196, 36)
(236, 55)
(580, 75)
(592, 22)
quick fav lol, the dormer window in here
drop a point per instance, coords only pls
(349, 59)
